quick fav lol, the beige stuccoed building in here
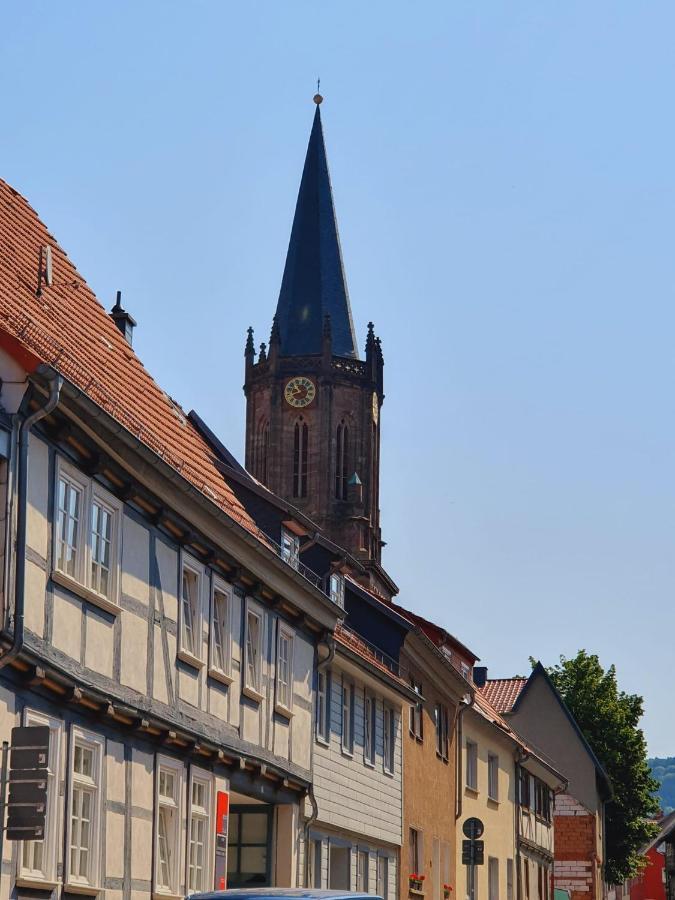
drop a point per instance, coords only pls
(510, 788)
(165, 639)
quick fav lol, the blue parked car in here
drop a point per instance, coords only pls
(282, 894)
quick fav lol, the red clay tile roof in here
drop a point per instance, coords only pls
(68, 329)
(502, 693)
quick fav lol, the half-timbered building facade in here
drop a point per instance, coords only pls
(162, 634)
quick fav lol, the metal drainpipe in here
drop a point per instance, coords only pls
(465, 704)
(310, 793)
(21, 515)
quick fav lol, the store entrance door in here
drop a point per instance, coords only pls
(249, 856)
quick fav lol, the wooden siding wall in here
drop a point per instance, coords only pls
(351, 795)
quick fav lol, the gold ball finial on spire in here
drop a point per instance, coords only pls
(317, 97)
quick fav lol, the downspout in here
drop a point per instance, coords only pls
(21, 516)
(466, 702)
(310, 792)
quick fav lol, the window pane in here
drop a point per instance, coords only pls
(253, 651)
(190, 613)
(254, 860)
(68, 527)
(101, 531)
(254, 828)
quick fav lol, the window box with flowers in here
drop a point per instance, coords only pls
(416, 882)
(447, 890)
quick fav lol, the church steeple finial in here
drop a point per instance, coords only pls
(314, 283)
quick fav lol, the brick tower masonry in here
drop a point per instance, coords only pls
(312, 405)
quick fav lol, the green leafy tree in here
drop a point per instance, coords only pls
(609, 719)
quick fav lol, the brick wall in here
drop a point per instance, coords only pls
(575, 858)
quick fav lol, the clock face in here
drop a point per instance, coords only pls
(376, 407)
(300, 392)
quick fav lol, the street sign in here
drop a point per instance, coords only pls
(473, 853)
(27, 802)
(473, 828)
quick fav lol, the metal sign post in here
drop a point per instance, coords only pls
(473, 852)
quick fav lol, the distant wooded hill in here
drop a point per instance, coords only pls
(664, 771)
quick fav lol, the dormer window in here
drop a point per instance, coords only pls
(290, 548)
(337, 589)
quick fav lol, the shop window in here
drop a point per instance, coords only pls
(315, 863)
(509, 879)
(248, 856)
(168, 796)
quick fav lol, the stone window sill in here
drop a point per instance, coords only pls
(36, 884)
(75, 887)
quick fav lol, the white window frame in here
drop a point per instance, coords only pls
(253, 691)
(323, 699)
(336, 586)
(47, 874)
(80, 581)
(205, 814)
(176, 768)
(493, 777)
(95, 743)
(192, 657)
(369, 727)
(362, 875)
(284, 633)
(471, 774)
(347, 736)
(221, 673)
(290, 554)
(388, 739)
(382, 877)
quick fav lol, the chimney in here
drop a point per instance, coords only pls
(480, 676)
(123, 320)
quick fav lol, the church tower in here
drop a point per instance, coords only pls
(312, 405)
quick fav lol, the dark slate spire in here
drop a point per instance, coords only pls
(314, 283)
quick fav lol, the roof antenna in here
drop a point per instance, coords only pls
(44, 269)
(317, 97)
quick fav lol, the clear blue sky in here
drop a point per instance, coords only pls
(504, 183)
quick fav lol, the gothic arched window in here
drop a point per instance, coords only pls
(261, 447)
(341, 460)
(300, 446)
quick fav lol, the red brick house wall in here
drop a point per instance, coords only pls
(575, 855)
